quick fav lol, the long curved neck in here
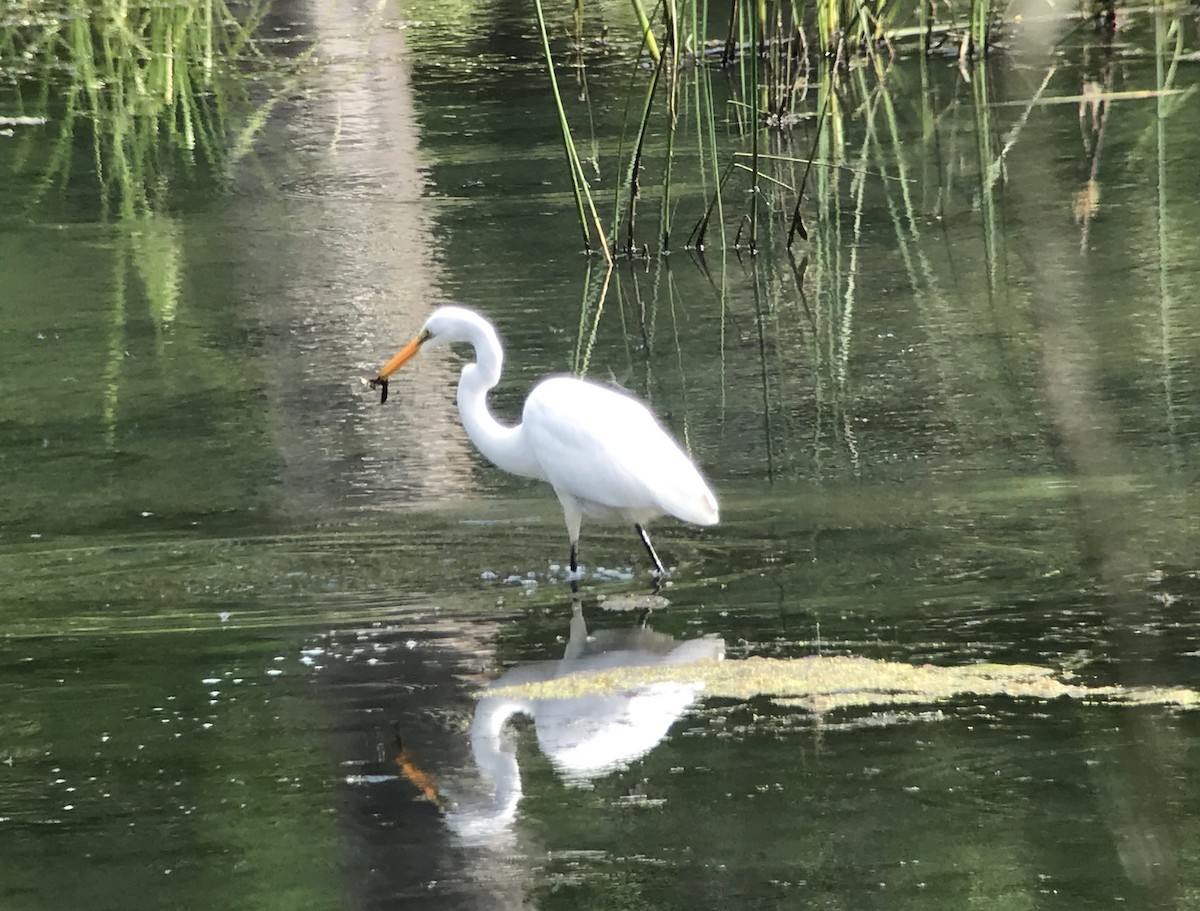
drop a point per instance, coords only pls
(505, 447)
(497, 764)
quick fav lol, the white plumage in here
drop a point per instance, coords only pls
(604, 452)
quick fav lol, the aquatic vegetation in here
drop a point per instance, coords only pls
(151, 91)
(774, 69)
(824, 684)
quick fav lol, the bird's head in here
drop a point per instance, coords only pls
(445, 325)
(450, 324)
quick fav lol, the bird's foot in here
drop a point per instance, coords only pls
(574, 576)
(661, 577)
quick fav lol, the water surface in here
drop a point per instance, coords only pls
(961, 433)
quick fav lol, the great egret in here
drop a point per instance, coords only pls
(585, 733)
(604, 452)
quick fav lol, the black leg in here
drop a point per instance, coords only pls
(574, 568)
(658, 567)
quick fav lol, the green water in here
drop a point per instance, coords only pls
(963, 432)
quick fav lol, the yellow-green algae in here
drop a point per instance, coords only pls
(822, 684)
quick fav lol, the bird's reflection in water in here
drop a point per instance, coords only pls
(583, 736)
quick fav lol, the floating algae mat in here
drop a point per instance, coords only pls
(823, 684)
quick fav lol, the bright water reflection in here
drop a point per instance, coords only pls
(761, 799)
(964, 432)
(586, 735)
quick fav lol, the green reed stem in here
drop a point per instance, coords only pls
(696, 238)
(1162, 79)
(797, 224)
(635, 163)
(647, 30)
(756, 127)
(672, 15)
(668, 167)
(729, 54)
(578, 183)
(979, 27)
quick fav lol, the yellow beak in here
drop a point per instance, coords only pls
(404, 355)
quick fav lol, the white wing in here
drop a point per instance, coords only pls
(602, 446)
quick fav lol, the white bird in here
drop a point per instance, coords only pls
(584, 732)
(604, 452)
